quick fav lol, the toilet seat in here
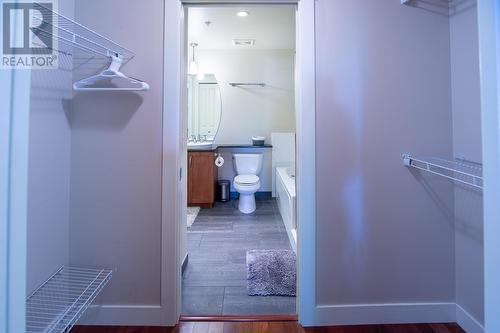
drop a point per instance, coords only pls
(246, 180)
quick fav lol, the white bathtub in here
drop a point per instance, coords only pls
(286, 198)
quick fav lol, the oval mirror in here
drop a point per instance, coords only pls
(204, 110)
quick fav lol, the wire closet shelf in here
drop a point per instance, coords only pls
(459, 170)
(443, 7)
(61, 300)
(51, 24)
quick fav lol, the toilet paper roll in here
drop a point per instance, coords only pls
(219, 161)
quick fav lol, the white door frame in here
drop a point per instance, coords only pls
(174, 150)
(14, 138)
(489, 52)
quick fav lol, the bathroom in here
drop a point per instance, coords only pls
(240, 157)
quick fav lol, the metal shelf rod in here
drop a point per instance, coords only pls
(236, 84)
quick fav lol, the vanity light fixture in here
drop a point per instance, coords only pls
(242, 13)
(193, 66)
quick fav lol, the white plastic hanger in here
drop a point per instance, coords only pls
(111, 79)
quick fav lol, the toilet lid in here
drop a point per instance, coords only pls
(246, 179)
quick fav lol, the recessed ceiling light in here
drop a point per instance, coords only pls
(242, 14)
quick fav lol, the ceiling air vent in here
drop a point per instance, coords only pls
(243, 42)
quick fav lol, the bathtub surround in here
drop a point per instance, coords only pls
(284, 187)
(287, 202)
(283, 153)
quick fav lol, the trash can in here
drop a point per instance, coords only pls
(223, 190)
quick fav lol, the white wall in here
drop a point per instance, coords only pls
(49, 168)
(385, 241)
(489, 46)
(249, 111)
(252, 110)
(467, 144)
(116, 165)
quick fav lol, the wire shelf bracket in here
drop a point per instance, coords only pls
(59, 302)
(459, 170)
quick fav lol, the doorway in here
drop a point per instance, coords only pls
(240, 254)
(175, 139)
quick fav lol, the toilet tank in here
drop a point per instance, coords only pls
(247, 164)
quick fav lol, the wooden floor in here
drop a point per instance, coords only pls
(273, 327)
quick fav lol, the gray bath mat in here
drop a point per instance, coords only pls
(271, 272)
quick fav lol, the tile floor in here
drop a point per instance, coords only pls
(214, 282)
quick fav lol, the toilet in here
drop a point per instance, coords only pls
(247, 182)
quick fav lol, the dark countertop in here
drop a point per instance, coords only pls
(229, 146)
(243, 146)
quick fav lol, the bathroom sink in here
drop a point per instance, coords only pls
(200, 145)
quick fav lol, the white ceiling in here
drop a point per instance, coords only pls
(272, 27)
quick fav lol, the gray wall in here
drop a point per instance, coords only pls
(385, 233)
(384, 86)
(49, 168)
(116, 158)
(467, 144)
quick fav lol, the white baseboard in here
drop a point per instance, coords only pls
(360, 314)
(467, 322)
(125, 315)
(326, 315)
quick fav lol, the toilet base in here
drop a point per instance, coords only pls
(246, 204)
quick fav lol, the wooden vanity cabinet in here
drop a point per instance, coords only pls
(202, 178)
